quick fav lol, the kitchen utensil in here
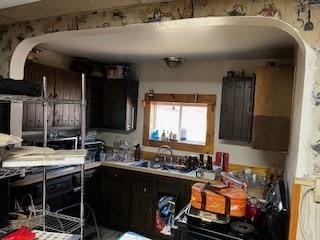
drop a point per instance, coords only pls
(309, 25)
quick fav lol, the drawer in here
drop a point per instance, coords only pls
(168, 185)
(116, 174)
(55, 187)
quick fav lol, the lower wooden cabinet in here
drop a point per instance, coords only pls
(142, 205)
(126, 200)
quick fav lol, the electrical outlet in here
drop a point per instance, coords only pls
(317, 191)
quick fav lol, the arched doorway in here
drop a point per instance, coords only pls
(298, 154)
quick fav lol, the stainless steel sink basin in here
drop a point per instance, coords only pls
(146, 164)
(162, 166)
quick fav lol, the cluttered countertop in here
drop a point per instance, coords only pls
(136, 166)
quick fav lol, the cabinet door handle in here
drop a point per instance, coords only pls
(132, 117)
(249, 109)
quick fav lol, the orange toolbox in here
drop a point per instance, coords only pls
(230, 201)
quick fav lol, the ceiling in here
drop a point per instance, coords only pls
(51, 8)
(148, 42)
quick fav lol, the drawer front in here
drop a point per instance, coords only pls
(116, 174)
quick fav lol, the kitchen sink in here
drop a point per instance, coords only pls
(162, 166)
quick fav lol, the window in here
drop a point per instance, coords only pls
(177, 122)
(183, 121)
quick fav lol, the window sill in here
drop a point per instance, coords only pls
(184, 146)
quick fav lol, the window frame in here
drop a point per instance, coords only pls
(192, 99)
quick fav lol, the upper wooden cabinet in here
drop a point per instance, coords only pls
(113, 103)
(236, 108)
(272, 108)
(62, 84)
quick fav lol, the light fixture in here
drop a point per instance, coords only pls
(13, 3)
(173, 62)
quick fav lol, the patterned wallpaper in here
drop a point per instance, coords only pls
(292, 11)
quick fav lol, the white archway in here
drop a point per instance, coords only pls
(304, 77)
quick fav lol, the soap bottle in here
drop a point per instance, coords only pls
(163, 136)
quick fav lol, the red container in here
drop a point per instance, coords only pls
(24, 233)
(225, 164)
(252, 210)
(218, 159)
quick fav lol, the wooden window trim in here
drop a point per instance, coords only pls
(209, 100)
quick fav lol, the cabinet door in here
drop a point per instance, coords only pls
(236, 109)
(227, 108)
(142, 208)
(273, 96)
(33, 113)
(5, 118)
(94, 102)
(132, 105)
(116, 199)
(67, 86)
(114, 104)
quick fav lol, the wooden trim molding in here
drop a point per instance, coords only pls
(209, 100)
(294, 211)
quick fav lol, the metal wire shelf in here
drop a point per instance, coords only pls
(48, 221)
(54, 222)
(28, 99)
(11, 172)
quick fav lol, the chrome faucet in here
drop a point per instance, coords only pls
(160, 153)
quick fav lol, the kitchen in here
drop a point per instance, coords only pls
(123, 194)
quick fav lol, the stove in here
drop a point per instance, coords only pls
(186, 228)
(273, 222)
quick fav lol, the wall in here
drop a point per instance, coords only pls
(201, 78)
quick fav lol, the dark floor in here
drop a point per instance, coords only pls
(107, 234)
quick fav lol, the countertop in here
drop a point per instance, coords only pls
(37, 177)
(168, 173)
(253, 192)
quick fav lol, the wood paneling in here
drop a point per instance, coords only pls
(33, 113)
(294, 211)
(210, 100)
(182, 98)
(61, 84)
(67, 86)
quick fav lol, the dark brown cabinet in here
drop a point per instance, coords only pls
(236, 108)
(5, 118)
(127, 200)
(62, 84)
(113, 103)
(115, 199)
(142, 206)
